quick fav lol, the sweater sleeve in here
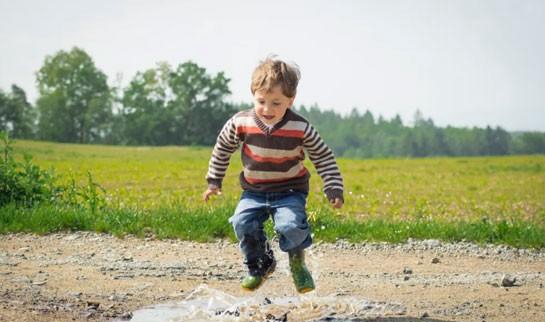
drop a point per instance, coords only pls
(226, 144)
(324, 161)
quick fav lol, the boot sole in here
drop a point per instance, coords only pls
(306, 290)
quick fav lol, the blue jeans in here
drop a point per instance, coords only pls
(287, 210)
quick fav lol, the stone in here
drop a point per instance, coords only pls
(39, 283)
(407, 270)
(126, 316)
(508, 281)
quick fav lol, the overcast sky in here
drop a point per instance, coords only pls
(463, 63)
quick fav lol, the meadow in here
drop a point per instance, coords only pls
(158, 190)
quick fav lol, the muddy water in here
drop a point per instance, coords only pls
(206, 304)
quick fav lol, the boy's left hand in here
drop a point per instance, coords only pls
(337, 203)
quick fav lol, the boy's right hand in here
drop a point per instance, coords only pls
(210, 191)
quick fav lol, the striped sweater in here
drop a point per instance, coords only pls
(272, 158)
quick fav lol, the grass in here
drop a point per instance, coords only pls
(204, 225)
(158, 190)
(209, 224)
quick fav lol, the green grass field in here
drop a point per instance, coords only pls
(484, 199)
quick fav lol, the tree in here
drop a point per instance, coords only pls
(16, 113)
(4, 112)
(529, 143)
(199, 100)
(497, 141)
(145, 117)
(181, 106)
(75, 100)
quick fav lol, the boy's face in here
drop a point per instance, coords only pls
(270, 106)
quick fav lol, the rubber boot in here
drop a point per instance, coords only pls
(302, 279)
(259, 271)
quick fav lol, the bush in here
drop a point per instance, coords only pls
(25, 184)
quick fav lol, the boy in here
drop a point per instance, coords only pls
(274, 179)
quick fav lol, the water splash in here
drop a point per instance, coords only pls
(206, 304)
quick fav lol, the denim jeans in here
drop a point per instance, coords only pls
(287, 210)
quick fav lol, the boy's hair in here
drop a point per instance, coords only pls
(272, 72)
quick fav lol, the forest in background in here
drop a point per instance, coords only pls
(186, 105)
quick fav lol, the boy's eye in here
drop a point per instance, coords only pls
(276, 103)
(261, 102)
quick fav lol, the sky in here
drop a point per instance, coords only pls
(463, 63)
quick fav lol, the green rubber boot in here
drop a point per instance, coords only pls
(301, 276)
(251, 282)
(259, 271)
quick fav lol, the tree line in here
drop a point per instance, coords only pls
(186, 105)
(362, 135)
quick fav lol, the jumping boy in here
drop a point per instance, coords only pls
(274, 180)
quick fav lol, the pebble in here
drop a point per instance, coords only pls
(407, 270)
(92, 305)
(39, 283)
(508, 281)
(118, 297)
(75, 294)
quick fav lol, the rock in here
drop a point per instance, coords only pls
(75, 294)
(89, 314)
(71, 237)
(424, 315)
(435, 260)
(92, 305)
(39, 283)
(123, 276)
(407, 270)
(508, 281)
(431, 243)
(118, 297)
(126, 316)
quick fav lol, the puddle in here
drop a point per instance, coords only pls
(206, 304)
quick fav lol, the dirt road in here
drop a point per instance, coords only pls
(97, 277)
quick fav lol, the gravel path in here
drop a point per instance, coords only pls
(97, 277)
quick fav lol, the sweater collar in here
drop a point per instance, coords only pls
(265, 128)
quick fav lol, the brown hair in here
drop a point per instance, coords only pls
(272, 72)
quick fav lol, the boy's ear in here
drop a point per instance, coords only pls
(291, 102)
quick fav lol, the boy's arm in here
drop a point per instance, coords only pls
(324, 161)
(226, 144)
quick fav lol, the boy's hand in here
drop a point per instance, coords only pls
(210, 191)
(337, 203)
